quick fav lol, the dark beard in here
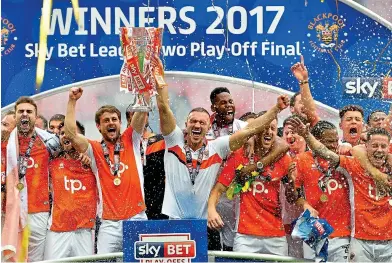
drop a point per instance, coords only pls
(19, 127)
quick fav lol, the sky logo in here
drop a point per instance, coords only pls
(367, 88)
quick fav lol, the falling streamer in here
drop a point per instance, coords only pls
(43, 44)
(374, 63)
(388, 73)
(148, 15)
(339, 70)
(253, 84)
(225, 31)
(75, 6)
(43, 38)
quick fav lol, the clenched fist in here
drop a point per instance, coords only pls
(75, 93)
(283, 102)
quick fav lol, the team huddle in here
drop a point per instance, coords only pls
(247, 177)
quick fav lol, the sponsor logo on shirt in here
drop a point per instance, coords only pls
(259, 188)
(333, 185)
(73, 185)
(31, 163)
(122, 168)
(377, 195)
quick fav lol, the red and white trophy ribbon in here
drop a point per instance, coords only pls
(142, 70)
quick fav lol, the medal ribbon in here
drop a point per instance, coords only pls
(324, 178)
(143, 149)
(23, 160)
(116, 156)
(193, 172)
(217, 131)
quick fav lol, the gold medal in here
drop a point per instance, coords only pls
(20, 186)
(117, 181)
(323, 198)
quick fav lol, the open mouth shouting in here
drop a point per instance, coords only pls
(267, 138)
(353, 132)
(66, 142)
(230, 113)
(111, 130)
(25, 124)
(196, 133)
(379, 157)
(291, 140)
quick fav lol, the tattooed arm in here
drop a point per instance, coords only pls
(317, 147)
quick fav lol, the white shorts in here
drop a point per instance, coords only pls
(69, 244)
(38, 223)
(370, 250)
(337, 250)
(262, 245)
(110, 235)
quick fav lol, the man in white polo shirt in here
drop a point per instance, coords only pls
(191, 164)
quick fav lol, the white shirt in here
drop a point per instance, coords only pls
(227, 208)
(237, 125)
(182, 199)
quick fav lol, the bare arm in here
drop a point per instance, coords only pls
(279, 149)
(302, 203)
(317, 147)
(359, 152)
(240, 137)
(139, 118)
(290, 191)
(166, 116)
(301, 74)
(79, 142)
(214, 219)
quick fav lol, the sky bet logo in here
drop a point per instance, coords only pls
(165, 248)
(367, 88)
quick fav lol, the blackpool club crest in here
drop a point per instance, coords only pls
(327, 32)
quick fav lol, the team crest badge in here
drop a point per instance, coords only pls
(327, 32)
(8, 37)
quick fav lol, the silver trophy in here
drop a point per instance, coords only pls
(141, 47)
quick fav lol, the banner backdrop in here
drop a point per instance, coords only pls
(348, 54)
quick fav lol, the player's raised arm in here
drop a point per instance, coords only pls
(78, 141)
(240, 137)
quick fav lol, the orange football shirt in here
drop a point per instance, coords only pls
(75, 195)
(336, 210)
(260, 210)
(37, 175)
(372, 209)
(125, 200)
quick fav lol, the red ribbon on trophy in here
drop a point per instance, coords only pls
(142, 70)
